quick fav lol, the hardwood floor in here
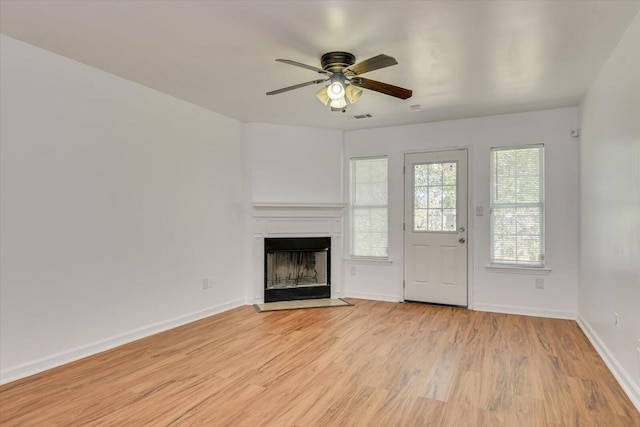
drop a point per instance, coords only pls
(372, 364)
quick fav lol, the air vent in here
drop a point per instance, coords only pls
(362, 116)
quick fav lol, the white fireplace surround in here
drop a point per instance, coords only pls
(297, 220)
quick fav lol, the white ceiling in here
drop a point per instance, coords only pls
(460, 58)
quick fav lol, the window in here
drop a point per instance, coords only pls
(435, 188)
(369, 207)
(517, 206)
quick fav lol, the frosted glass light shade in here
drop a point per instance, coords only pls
(323, 96)
(353, 93)
(335, 91)
(338, 103)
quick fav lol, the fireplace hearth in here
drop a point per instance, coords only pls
(297, 268)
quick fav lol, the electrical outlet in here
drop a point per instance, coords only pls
(479, 210)
(211, 282)
(539, 283)
(205, 283)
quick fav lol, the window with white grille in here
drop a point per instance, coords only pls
(434, 195)
(369, 206)
(517, 206)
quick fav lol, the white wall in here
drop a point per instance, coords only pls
(514, 293)
(290, 164)
(610, 212)
(117, 201)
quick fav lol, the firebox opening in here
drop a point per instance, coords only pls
(297, 268)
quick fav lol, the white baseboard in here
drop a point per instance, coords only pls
(372, 296)
(525, 311)
(34, 367)
(625, 380)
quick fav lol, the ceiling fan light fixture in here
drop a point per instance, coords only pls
(336, 91)
(323, 96)
(353, 93)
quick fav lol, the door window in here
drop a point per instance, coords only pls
(434, 196)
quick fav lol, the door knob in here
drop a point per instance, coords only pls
(462, 240)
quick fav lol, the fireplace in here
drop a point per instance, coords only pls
(297, 268)
(275, 221)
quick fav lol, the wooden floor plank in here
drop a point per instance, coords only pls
(373, 364)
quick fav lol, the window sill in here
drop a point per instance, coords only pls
(368, 261)
(538, 271)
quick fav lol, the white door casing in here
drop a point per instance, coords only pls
(435, 222)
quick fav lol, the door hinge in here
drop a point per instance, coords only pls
(404, 227)
(404, 169)
(403, 284)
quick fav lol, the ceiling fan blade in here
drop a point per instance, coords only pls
(285, 89)
(375, 63)
(308, 67)
(385, 88)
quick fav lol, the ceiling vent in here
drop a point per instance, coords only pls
(362, 116)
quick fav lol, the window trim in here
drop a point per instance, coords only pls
(351, 210)
(518, 266)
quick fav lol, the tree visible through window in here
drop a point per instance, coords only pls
(369, 208)
(517, 205)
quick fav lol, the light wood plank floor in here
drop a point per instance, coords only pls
(373, 364)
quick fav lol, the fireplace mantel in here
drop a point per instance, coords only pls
(297, 220)
(272, 205)
(266, 210)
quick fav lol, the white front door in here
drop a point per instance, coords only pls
(435, 237)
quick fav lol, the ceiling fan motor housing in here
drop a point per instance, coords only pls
(335, 62)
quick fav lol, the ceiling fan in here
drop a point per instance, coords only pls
(344, 79)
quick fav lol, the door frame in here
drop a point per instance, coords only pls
(470, 214)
